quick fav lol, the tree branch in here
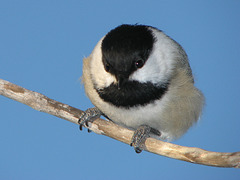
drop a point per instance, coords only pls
(190, 154)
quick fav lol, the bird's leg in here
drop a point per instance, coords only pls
(140, 135)
(88, 116)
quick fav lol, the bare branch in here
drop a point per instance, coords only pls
(190, 154)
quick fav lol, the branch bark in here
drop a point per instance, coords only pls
(190, 154)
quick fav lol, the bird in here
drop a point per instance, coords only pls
(140, 78)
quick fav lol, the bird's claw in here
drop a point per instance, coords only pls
(140, 135)
(88, 116)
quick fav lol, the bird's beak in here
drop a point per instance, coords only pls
(121, 79)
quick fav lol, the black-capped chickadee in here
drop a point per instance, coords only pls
(140, 78)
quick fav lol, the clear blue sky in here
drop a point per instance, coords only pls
(42, 44)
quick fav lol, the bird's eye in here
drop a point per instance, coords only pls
(107, 67)
(139, 63)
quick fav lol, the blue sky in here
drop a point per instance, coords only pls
(42, 44)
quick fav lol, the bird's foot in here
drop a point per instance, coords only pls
(140, 135)
(88, 116)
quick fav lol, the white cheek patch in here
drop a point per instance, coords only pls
(160, 63)
(99, 75)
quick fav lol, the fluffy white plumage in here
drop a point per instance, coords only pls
(174, 113)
